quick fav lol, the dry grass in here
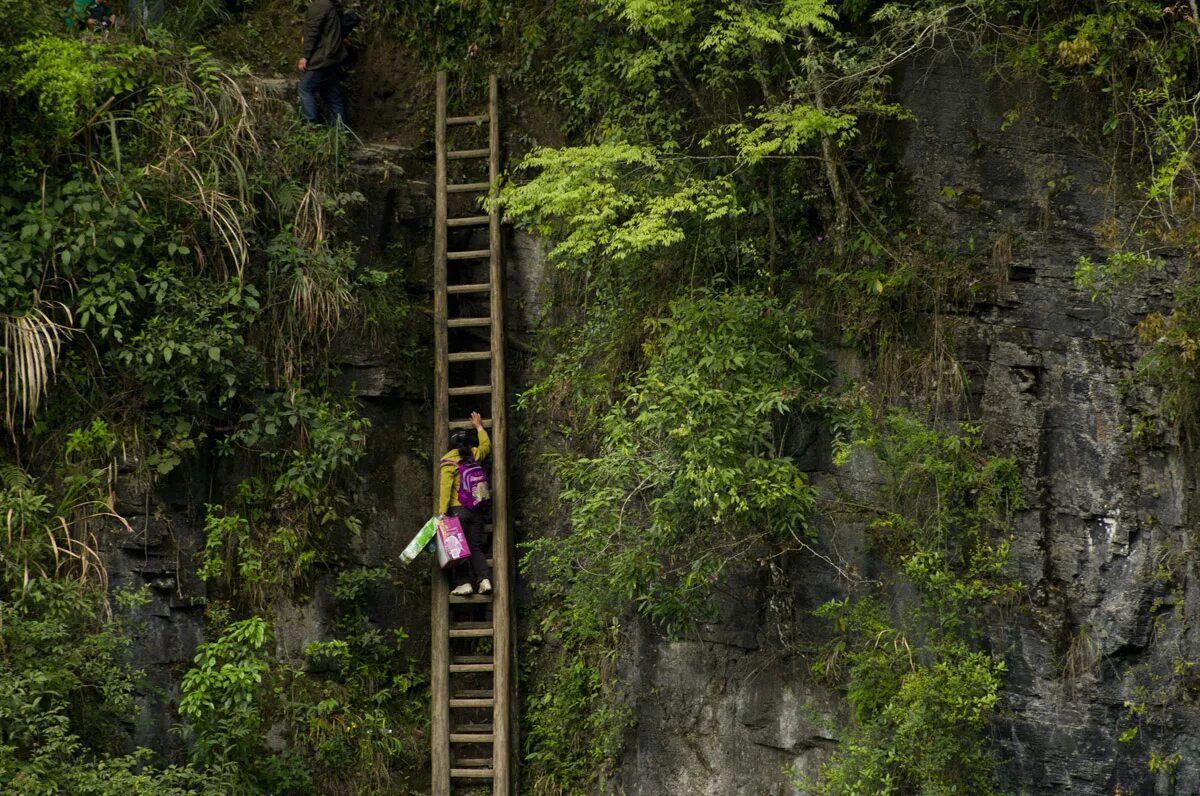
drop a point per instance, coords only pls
(32, 342)
(202, 161)
(74, 549)
(77, 557)
(1002, 255)
(319, 301)
(201, 154)
(1078, 659)
(926, 370)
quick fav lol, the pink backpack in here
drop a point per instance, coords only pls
(474, 493)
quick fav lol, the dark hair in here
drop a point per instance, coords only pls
(463, 439)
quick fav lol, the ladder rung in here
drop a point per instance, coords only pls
(466, 668)
(463, 154)
(476, 625)
(460, 599)
(474, 287)
(468, 187)
(474, 389)
(470, 773)
(469, 356)
(480, 117)
(471, 632)
(471, 703)
(471, 659)
(468, 424)
(468, 221)
(472, 737)
(486, 728)
(462, 323)
(472, 254)
(478, 693)
(472, 762)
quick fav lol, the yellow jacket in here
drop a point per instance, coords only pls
(448, 496)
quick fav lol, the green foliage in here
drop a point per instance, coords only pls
(897, 301)
(63, 78)
(310, 439)
(719, 143)
(220, 695)
(471, 37)
(922, 727)
(575, 720)
(29, 20)
(77, 231)
(944, 502)
(1139, 60)
(713, 144)
(613, 200)
(305, 447)
(652, 97)
(362, 721)
(351, 718)
(64, 694)
(1173, 342)
(71, 82)
(745, 26)
(144, 314)
(786, 130)
(190, 235)
(922, 695)
(688, 479)
(1118, 269)
(192, 352)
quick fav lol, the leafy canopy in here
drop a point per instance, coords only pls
(690, 475)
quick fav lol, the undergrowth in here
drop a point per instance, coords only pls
(922, 686)
(172, 275)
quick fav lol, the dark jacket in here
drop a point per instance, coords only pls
(100, 12)
(323, 45)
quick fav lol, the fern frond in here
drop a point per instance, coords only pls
(13, 477)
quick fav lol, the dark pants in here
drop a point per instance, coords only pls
(326, 83)
(475, 568)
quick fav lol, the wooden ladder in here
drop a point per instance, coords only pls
(472, 659)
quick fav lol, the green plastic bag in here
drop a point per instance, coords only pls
(423, 537)
(78, 13)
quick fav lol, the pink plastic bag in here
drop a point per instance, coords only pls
(451, 542)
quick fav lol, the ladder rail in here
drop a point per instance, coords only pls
(439, 730)
(502, 606)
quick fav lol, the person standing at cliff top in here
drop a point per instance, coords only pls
(102, 16)
(321, 60)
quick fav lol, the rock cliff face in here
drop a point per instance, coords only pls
(1105, 545)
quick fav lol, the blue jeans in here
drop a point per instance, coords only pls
(326, 83)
